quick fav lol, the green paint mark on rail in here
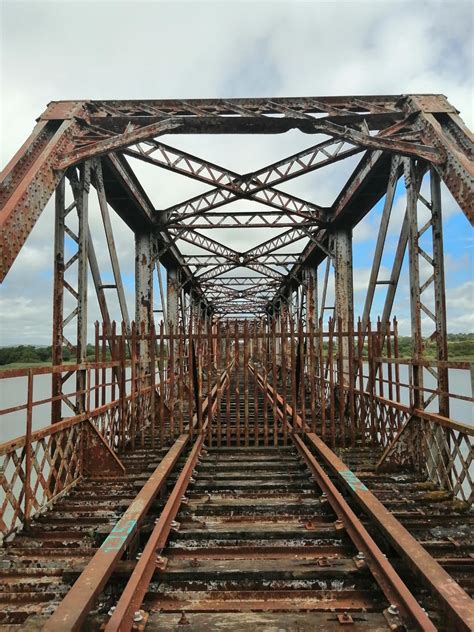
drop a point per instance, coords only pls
(354, 483)
(118, 536)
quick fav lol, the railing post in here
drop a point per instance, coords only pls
(121, 385)
(28, 447)
(152, 355)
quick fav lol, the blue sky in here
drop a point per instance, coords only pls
(70, 50)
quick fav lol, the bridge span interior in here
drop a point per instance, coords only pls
(252, 454)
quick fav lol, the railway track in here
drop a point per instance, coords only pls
(257, 537)
(249, 539)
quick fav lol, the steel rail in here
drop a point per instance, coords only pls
(383, 572)
(457, 605)
(132, 597)
(135, 590)
(80, 599)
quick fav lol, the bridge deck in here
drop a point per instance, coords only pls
(256, 541)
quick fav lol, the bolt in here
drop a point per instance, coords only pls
(183, 620)
(160, 562)
(360, 556)
(392, 609)
(138, 556)
(111, 611)
(137, 617)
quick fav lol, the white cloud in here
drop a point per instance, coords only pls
(96, 50)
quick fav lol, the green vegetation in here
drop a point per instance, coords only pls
(460, 347)
(30, 355)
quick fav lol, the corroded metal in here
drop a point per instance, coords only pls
(247, 360)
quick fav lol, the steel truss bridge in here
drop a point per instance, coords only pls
(258, 456)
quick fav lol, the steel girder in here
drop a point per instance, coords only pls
(423, 127)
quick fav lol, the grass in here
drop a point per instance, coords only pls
(23, 365)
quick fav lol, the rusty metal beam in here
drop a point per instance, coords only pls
(114, 260)
(395, 172)
(216, 124)
(389, 581)
(423, 126)
(27, 183)
(242, 185)
(441, 127)
(132, 597)
(73, 609)
(457, 604)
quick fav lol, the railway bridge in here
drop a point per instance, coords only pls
(258, 453)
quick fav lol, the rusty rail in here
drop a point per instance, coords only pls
(457, 605)
(383, 572)
(132, 597)
(78, 602)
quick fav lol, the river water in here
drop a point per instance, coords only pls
(13, 392)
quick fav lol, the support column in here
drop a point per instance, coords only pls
(439, 289)
(82, 203)
(312, 297)
(344, 290)
(278, 330)
(143, 280)
(58, 290)
(144, 265)
(80, 237)
(172, 288)
(423, 295)
(412, 183)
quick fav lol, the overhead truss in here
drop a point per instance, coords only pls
(108, 138)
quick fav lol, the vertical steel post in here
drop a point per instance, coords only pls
(58, 296)
(344, 290)
(80, 236)
(277, 318)
(439, 290)
(412, 186)
(172, 289)
(312, 298)
(144, 266)
(82, 204)
(143, 279)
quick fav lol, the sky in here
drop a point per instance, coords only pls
(142, 50)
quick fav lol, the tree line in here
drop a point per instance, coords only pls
(29, 354)
(459, 346)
